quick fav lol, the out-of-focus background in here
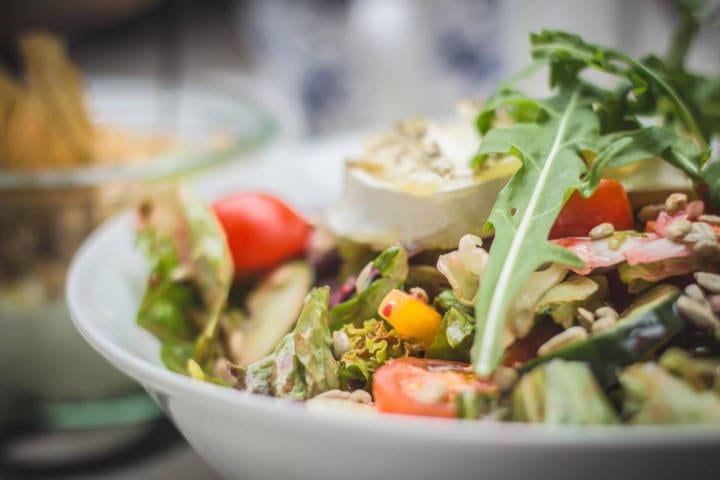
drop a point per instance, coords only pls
(328, 65)
(196, 85)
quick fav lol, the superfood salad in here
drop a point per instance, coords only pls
(551, 260)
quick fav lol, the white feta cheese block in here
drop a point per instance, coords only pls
(415, 186)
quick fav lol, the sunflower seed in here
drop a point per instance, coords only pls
(650, 212)
(569, 336)
(675, 202)
(714, 301)
(697, 313)
(341, 343)
(711, 219)
(695, 292)
(607, 312)
(360, 396)
(585, 318)
(678, 229)
(709, 281)
(603, 230)
(700, 231)
(706, 248)
(333, 395)
(603, 323)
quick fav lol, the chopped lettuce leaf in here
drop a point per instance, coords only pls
(561, 393)
(446, 300)
(521, 312)
(464, 267)
(175, 355)
(302, 364)
(370, 346)
(562, 301)
(393, 270)
(256, 377)
(699, 373)
(313, 343)
(454, 338)
(191, 273)
(654, 396)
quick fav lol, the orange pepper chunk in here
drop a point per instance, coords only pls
(410, 317)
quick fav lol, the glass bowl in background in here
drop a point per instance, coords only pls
(45, 215)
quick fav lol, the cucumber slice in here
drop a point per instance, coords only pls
(647, 325)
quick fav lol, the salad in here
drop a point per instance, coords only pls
(548, 260)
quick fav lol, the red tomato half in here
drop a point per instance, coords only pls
(401, 386)
(608, 204)
(261, 230)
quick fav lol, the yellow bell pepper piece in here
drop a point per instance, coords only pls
(410, 317)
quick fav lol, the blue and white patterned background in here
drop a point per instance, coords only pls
(349, 63)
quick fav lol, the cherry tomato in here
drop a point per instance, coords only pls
(426, 387)
(608, 204)
(262, 231)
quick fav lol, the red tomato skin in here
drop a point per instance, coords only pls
(262, 231)
(579, 215)
(391, 397)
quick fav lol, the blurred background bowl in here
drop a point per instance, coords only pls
(45, 215)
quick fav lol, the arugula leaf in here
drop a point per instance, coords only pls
(568, 55)
(392, 266)
(554, 138)
(526, 209)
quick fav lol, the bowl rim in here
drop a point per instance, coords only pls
(455, 432)
(169, 164)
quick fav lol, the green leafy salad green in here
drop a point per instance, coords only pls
(579, 298)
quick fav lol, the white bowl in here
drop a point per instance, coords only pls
(252, 437)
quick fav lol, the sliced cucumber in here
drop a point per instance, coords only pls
(647, 325)
(273, 307)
